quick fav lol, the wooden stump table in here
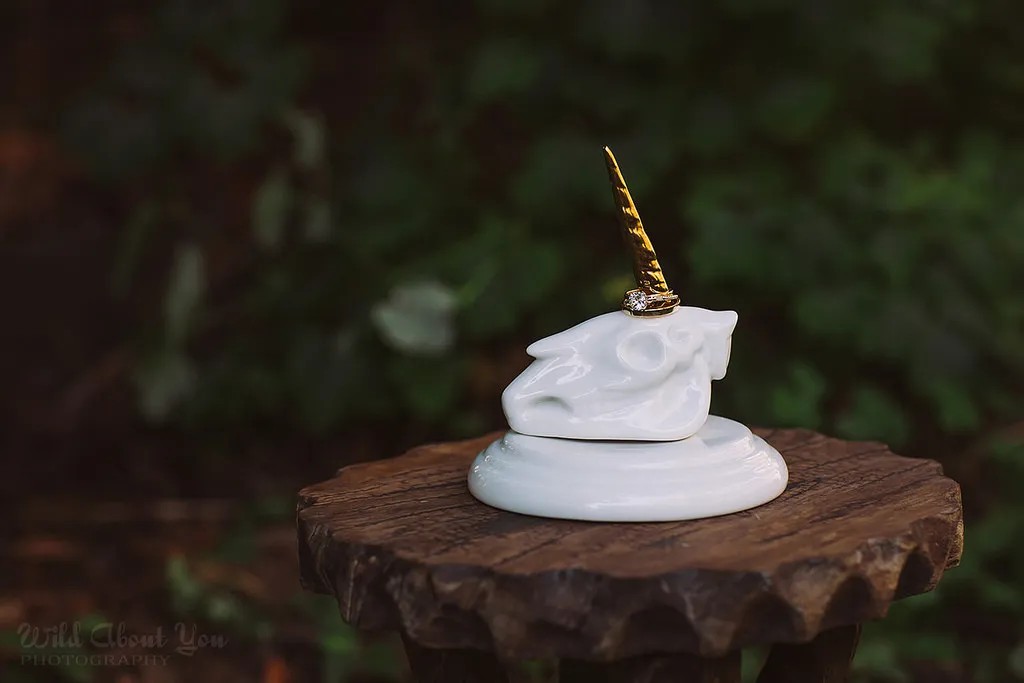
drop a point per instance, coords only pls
(402, 545)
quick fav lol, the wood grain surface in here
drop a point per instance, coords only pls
(401, 544)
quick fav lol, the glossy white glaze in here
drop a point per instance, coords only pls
(621, 377)
(721, 469)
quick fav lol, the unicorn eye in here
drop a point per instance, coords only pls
(643, 351)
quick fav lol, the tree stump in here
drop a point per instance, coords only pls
(402, 545)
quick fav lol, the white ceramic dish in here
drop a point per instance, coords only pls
(723, 468)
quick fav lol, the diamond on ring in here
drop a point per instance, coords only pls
(636, 301)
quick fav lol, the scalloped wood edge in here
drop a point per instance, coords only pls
(584, 614)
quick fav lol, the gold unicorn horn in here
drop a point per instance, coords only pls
(652, 295)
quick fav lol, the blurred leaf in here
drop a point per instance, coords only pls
(310, 139)
(503, 68)
(344, 654)
(191, 597)
(1017, 660)
(713, 127)
(429, 388)
(550, 184)
(378, 659)
(792, 108)
(317, 223)
(163, 382)
(417, 318)
(115, 140)
(880, 659)
(1008, 453)
(186, 592)
(328, 380)
(635, 30)
(270, 208)
(955, 410)
(797, 403)
(184, 293)
(903, 41)
(751, 661)
(872, 414)
(505, 263)
(1000, 595)
(137, 231)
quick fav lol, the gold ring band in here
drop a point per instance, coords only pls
(647, 304)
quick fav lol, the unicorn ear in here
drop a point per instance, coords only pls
(718, 327)
(578, 336)
(553, 345)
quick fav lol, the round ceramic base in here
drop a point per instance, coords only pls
(722, 468)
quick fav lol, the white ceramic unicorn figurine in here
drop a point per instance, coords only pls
(620, 377)
(610, 422)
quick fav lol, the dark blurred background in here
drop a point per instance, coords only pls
(245, 243)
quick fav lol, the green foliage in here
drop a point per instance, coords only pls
(416, 318)
(73, 659)
(987, 584)
(270, 209)
(871, 260)
(345, 654)
(205, 80)
(167, 376)
(195, 598)
(846, 175)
